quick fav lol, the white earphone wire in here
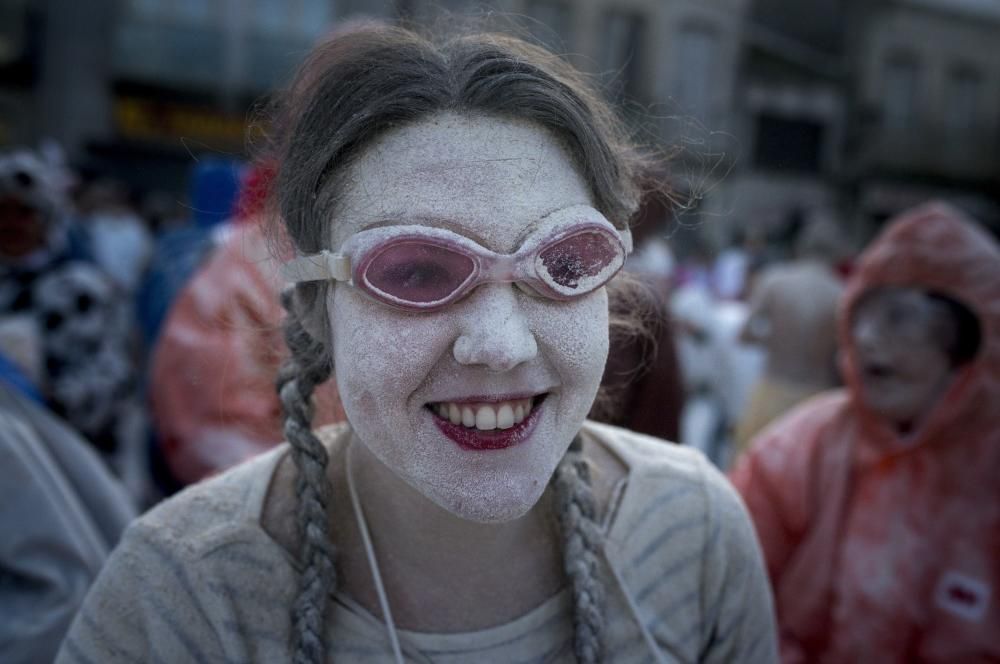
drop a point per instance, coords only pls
(383, 600)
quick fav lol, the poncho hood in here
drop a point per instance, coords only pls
(936, 248)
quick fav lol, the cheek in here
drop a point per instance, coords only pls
(922, 362)
(930, 368)
(380, 355)
(573, 336)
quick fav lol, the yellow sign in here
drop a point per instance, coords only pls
(163, 122)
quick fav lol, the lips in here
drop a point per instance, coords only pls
(877, 370)
(487, 424)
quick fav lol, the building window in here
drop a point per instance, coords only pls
(965, 90)
(791, 145)
(696, 52)
(290, 18)
(622, 53)
(902, 76)
(549, 23)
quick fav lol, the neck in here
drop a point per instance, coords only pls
(440, 570)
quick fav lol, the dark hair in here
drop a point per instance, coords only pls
(352, 88)
(962, 338)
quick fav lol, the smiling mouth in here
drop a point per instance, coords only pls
(878, 370)
(487, 425)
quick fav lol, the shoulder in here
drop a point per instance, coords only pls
(798, 432)
(786, 463)
(667, 484)
(645, 455)
(681, 544)
(207, 515)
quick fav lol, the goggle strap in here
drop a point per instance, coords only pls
(318, 267)
(626, 236)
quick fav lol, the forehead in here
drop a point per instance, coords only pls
(894, 299)
(486, 177)
(904, 309)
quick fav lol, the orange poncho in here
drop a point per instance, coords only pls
(879, 549)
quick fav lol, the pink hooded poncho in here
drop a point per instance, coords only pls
(882, 549)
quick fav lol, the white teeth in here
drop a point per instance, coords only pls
(485, 416)
(505, 417)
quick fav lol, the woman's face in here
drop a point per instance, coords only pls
(406, 378)
(900, 338)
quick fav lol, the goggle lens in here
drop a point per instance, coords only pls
(580, 262)
(418, 272)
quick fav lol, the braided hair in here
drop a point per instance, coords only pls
(308, 366)
(576, 511)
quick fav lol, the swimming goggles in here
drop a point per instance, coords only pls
(423, 268)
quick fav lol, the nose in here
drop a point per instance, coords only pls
(867, 333)
(495, 332)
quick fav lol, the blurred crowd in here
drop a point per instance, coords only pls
(140, 337)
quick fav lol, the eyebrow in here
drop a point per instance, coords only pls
(425, 220)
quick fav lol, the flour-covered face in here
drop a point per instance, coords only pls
(473, 405)
(900, 339)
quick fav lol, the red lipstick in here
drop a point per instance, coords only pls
(497, 439)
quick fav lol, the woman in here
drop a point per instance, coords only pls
(878, 506)
(450, 204)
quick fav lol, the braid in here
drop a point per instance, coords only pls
(308, 366)
(577, 514)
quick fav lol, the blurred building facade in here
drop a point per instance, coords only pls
(773, 105)
(925, 112)
(139, 88)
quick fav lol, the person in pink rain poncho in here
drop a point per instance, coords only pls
(878, 506)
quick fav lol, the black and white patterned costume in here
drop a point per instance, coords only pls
(81, 320)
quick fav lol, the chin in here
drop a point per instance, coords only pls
(893, 413)
(496, 499)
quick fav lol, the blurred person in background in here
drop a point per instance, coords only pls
(878, 506)
(119, 240)
(792, 316)
(181, 248)
(212, 377)
(61, 513)
(717, 369)
(694, 268)
(75, 333)
(732, 267)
